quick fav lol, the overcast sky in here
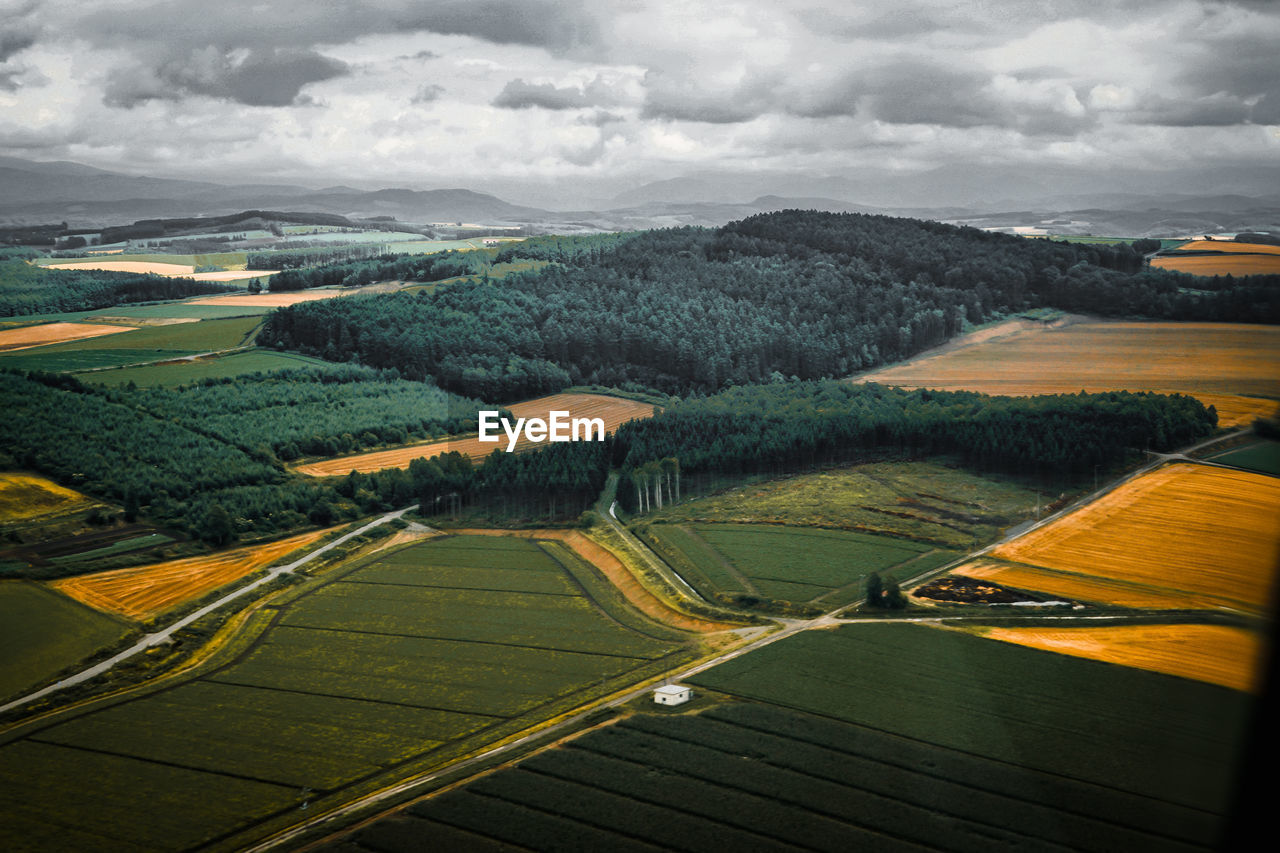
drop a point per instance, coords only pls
(612, 94)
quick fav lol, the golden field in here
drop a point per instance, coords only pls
(270, 300)
(1224, 362)
(615, 411)
(1073, 586)
(54, 333)
(143, 591)
(1228, 246)
(1203, 532)
(24, 496)
(1231, 263)
(128, 266)
(1216, 654)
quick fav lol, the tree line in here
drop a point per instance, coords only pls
(386, 267)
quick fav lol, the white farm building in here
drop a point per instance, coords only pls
(672, 694)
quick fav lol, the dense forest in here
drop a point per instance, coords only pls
(793, 294)
(320, 411)
(28, 289)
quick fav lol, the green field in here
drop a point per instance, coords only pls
(43, 632)
(405, 661)
(1262, 456)
(1170, 739)
(149, 343)
(799, 565)
(927, 501)
(171, 375)
(877, 737)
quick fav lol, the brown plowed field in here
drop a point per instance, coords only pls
(1231, 263)
(618, 574)
(1072, 586)
(1202, 532)
(613, 410)
(54, 333)
(1215, 362)
(1216, 654)
(143, 591)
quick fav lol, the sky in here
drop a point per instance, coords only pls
(534, 95)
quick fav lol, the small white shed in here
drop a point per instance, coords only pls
(672, 694)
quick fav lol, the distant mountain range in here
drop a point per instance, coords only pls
(43, 192)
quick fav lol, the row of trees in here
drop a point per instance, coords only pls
(774, 429)
(387, 267)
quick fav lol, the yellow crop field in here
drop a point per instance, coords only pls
(1073, 586)
(128, 266)
(614, 411)
(1216, 654)
(270, 300)
(1228, 246)
(232, 275)
(1227, 264)
(54, 333)
(142, 591)
(1224, 362)
(24, 496)
(1207, 533)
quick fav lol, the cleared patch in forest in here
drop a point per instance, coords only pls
(614, 411)
(925, 501)
(26, 496)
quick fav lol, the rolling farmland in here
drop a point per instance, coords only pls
(885, 737)
(1224, 362)
(1229, 258)
(1191, 530)
(54, 333)
(1216, 654)
(615, 411)
(407, 660)
(1170, 739)
(150, 343)
(144, 591)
